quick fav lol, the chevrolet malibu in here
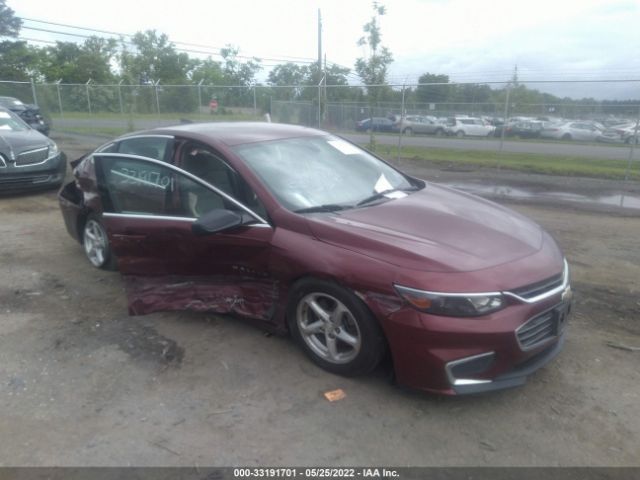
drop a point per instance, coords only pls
(303, 232)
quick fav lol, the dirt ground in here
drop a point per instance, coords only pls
(82, 383)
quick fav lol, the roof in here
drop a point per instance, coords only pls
(238, 133)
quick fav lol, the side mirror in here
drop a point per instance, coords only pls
(216, 221)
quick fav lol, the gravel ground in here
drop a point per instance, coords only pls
(81, 383)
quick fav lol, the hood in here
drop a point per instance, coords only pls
(436, 229)
(21, 141)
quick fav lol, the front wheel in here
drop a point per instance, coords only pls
(459, 134)
(96, 244)
(335, 328)
(408, 131)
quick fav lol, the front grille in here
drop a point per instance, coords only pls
(538, 329)
(539, 288)
(38, 155)
(12, 181)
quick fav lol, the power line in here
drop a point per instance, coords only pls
(293, 59)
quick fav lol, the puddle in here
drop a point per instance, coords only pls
(617, 200)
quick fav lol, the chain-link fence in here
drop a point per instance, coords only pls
(462, 115)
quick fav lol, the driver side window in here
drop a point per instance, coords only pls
(202, 162)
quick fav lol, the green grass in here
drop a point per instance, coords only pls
(524, 162)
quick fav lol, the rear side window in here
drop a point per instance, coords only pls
(132, 186)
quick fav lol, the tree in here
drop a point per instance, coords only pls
(236, 72)
(208, 72)
(373, 69)
(9, 23)
(73, 63)
(155, 58)
(432, 93)
(18, 61)
(239, 74)
(285, 75)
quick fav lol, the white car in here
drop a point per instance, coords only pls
(469, 126)
(620, 134)
(572, 131)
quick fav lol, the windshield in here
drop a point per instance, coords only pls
(308, 172)
(9, 121)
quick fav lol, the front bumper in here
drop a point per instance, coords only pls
(454, 356)
(516, 377)
(49, 174)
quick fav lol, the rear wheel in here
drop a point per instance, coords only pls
(408, 131)
(566, 136)
(335, 328)
(439, 132)
(96, 244)
(459, 134)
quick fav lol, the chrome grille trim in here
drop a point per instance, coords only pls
(553, 289)
(32, 157)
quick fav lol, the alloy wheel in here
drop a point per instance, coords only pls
(328, 328)
(95, 243)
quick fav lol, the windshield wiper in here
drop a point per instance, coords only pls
(329, 207)
(378, 195)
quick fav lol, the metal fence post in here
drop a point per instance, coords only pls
(120, 97)
(33, 92)
(155, 86)
(59, 96)
(504, 124)
(401, 129)
(200, 94)
(255, 103)
(88, 96)
(319, 100)
(632, 149)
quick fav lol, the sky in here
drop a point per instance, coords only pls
(470, 40)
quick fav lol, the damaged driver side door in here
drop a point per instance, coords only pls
(183, 244)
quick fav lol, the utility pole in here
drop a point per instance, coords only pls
(319, 41)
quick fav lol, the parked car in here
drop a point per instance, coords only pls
(620, 134)
(524, 129)
(377, 124)
(572, 131)
(29, 113)
(28, 159)
(469, 126)
(419, 124)
(304, 232)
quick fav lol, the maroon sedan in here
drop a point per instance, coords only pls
(302, 231)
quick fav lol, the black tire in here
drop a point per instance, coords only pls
(93, 227)
(566, 136)
(459, 134)
(408, 131)
(439, 132)
(357, 322)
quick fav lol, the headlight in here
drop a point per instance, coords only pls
(453, 304)
(53, 149)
